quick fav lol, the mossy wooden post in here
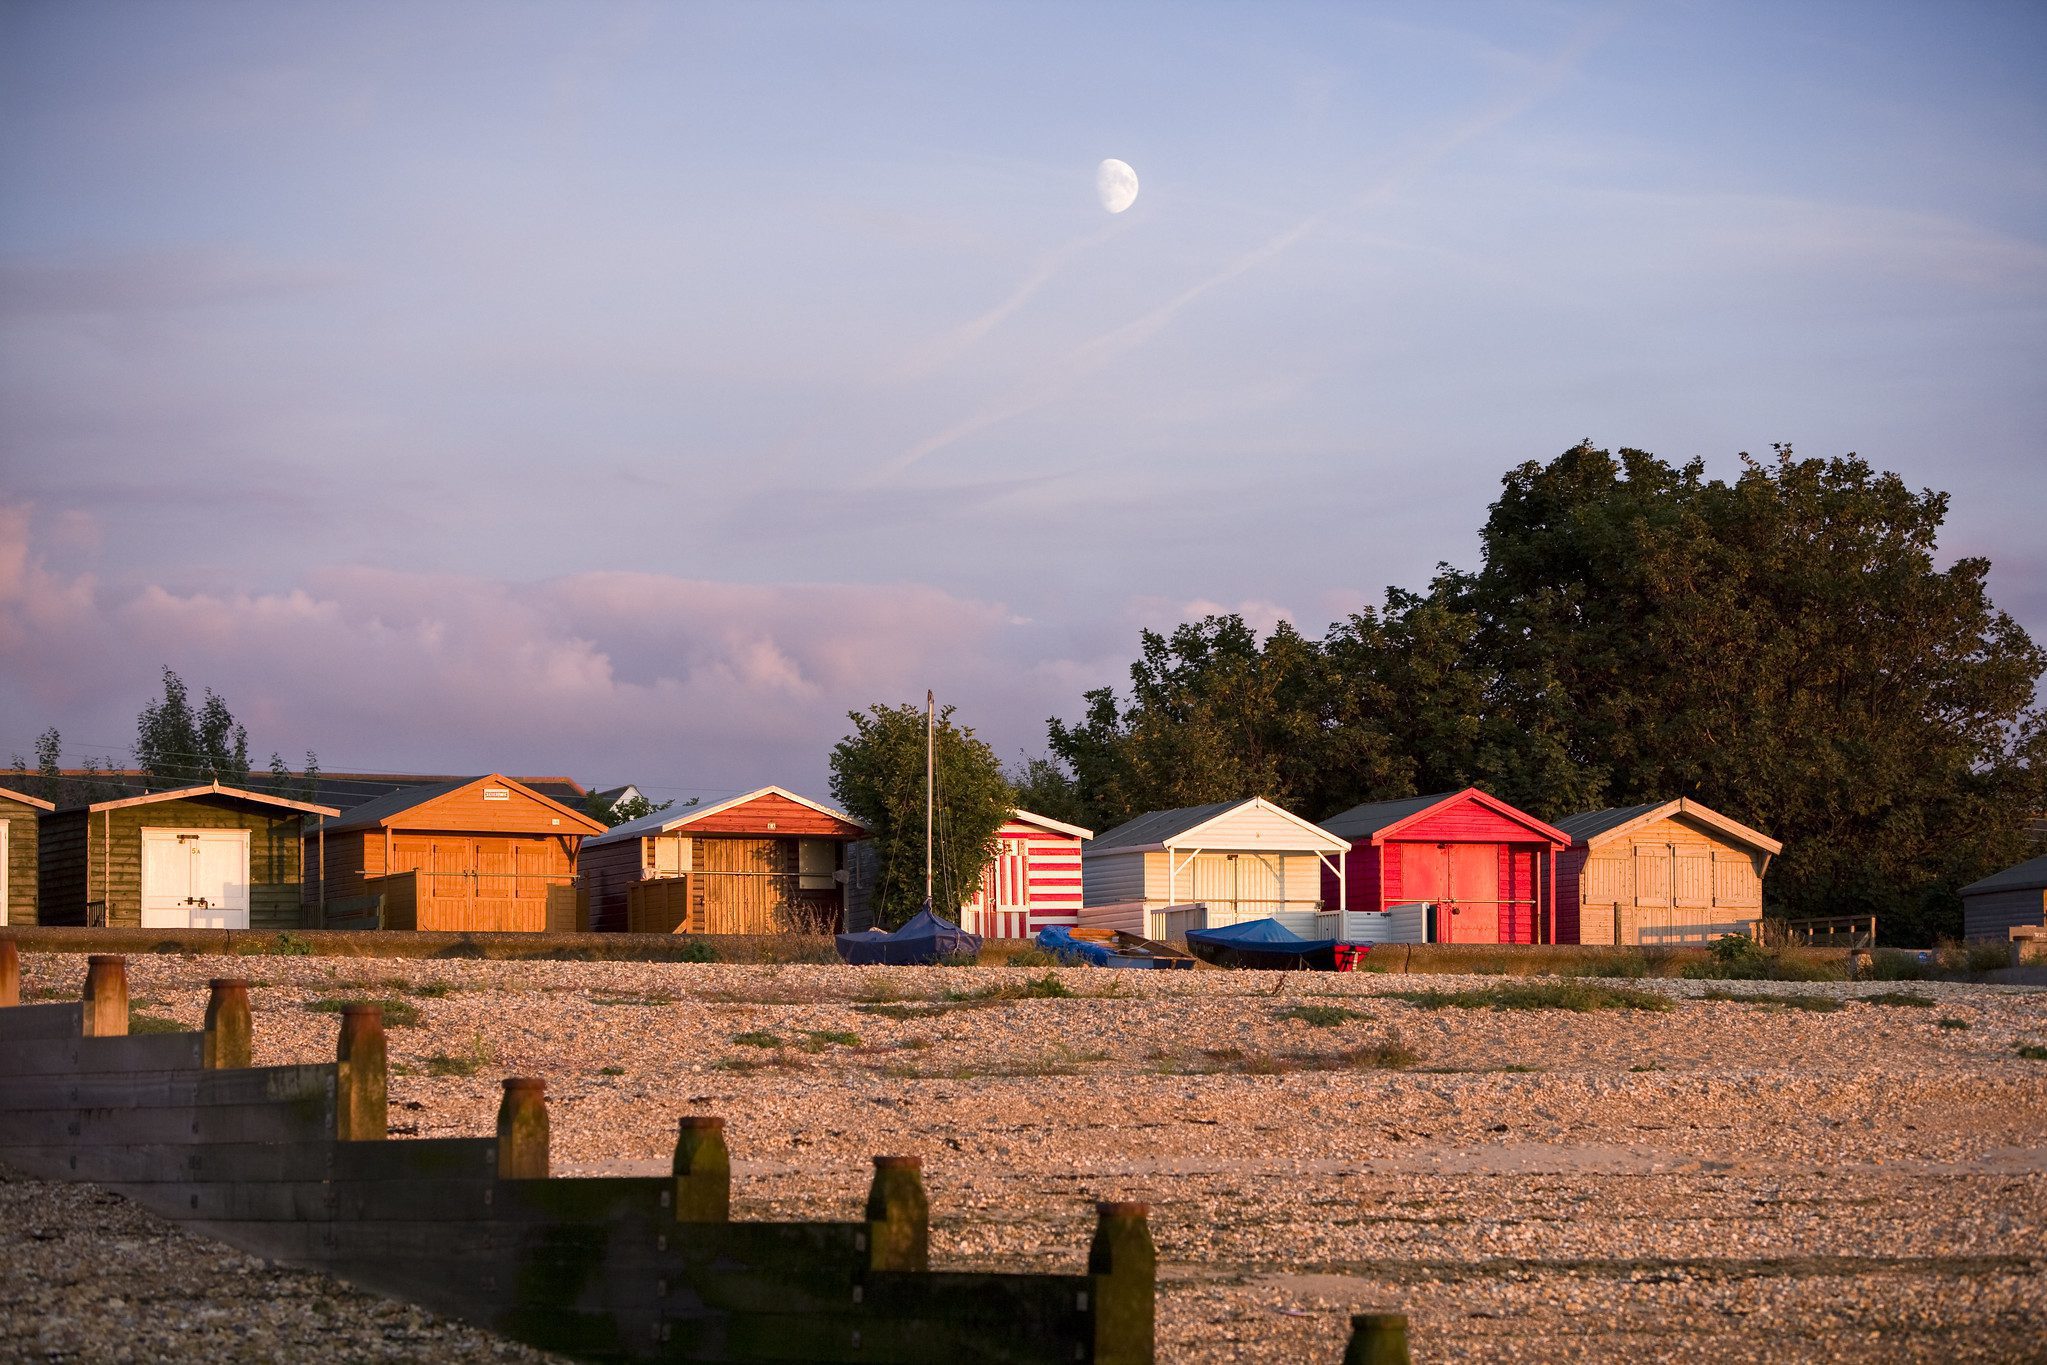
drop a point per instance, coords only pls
(10, 973)
(703, 1171)
(1377, 1339)
(106, 996)
(230, 1040)
(360, 1090)
(1124, 1266)
(898, 1215)
(522, 1129)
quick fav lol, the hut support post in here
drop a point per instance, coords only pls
(10, 973)
(898, 1216)
(1123, 1264)
(522, 1129)
(703, 1171)
(106, 996)
(230, 1032)
(360, 1088)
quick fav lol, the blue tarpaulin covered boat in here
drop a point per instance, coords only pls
(925, 939)
(1265, 944)
(1110, 948)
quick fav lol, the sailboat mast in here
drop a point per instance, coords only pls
(930, 789)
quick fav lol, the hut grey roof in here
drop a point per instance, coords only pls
(1593, 822)
(390, 803)
(2027, 876)
(1156, 827)
(1362, 822)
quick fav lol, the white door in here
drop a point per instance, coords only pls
(195, 878)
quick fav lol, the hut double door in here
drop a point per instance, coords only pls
(1463, 881)
(744, 886)
(195, 879)
(479, 884)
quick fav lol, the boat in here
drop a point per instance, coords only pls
(924, 940)
(1268, 945)
(1111, 948)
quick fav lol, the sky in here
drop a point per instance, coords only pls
(629, 390)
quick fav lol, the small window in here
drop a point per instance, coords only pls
(816, 861)
(668, 855)
(497, 793)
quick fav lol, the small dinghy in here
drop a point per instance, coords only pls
(925, 939)
(1266, 945)
(1112, 948)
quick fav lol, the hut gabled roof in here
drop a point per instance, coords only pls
(1592, 828)
(668, 821)
(388, 808)
(208, 789)
(12, 795)
(2027, 876)
(1181, 828)
(1378, 821)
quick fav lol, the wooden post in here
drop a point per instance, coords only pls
(898, 1215)
(1123, 1264)
(522, 1129)
(229, 1030)
(10, 972)
(703, 1171)
(360, 1089)
(106, 996)
(1377, 1339)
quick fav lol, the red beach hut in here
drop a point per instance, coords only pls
(1487, 869)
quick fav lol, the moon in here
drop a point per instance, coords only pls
(1116, 183)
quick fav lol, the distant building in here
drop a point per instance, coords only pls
(2006, 900)
(1665, 872)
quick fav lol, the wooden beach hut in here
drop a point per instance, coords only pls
(766, 862)
(2006, 900)
(1033, 881)
(1453, 867)
(206, 857)
(20, 819)
(1203, 867)
(1665, 872)
(472, 853)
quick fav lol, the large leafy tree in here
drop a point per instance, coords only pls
(1784, 646)
(878, 776)
(180, 743)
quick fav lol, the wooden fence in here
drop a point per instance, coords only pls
(293, 1163)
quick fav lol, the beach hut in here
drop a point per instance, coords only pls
(766, 862)
(203, 857)
(1454, 867)
(20, 818)
(2006, 900)
(471, 853)
(1203, 867)
(1032, 883)
(1665, 872)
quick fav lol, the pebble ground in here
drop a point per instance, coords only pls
(1724, 1180)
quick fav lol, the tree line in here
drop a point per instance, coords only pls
(1783, 647)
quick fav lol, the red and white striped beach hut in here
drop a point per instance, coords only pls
(1033, 882)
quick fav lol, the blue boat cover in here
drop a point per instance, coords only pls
(926, 938)
(1253, 935)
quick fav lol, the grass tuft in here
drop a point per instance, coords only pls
(1954, 1023)
(1319, 1016)
(1816, 1004)
(150, 1023)
(1569, 993)
(397, 1013)
(475, 1058)
(757, 1038)
(2033, 1052)
(1898, 998)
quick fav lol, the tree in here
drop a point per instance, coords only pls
(878, 777)
(175, 743)
(1785, 648)
(302, 786)
(48, 781)
(1043, 787)
(634, 807)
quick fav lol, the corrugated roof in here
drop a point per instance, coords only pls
(1362, 822)
(1592, 822)
(2027, 876)
(1156, 827)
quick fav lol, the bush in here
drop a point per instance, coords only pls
(1737, 957)
(1895, 964)
(695, 950)
(1971, 957)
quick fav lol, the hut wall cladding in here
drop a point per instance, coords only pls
(609, 872)
(1992, 915)
(23, 823)
(97, 855)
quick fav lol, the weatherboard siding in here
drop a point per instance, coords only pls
(1992, 914)
(24, 833)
